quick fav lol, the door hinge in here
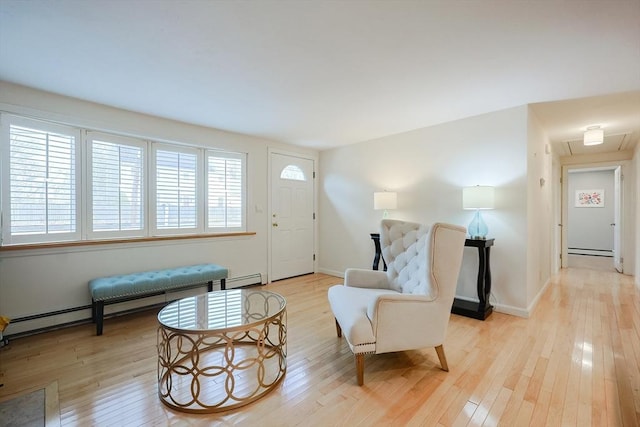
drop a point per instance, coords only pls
(314, 215)
(314, 174)
(314, 257)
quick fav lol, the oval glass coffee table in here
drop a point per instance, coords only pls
(221, 350)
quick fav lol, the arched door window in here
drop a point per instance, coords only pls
(293, 172)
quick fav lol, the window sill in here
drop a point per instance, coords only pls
(81, 243)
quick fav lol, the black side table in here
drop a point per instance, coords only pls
(378, 256)
(482, 309)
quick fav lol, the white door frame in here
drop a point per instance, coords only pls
(624, 164)
(618, 182)
(306, 156)
(558, 208)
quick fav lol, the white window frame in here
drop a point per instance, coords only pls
(198, 228)
(5, 151)
(83, 188)
(243, 159)
(120, 140)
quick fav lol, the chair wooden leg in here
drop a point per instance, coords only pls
(360, 368)
(338, 328)
(442, 357)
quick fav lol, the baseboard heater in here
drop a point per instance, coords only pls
(608, 253)
(233, 282)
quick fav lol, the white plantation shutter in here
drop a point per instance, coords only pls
(40, 182)
(116, 181)
(57, 187)
(225, 191)
(176, 191)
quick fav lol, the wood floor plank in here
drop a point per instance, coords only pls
(498, 407)
(574, 361)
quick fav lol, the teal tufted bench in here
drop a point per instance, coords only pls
(126, 287)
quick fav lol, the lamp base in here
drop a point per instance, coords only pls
(477, 229)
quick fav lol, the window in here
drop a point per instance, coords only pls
(292, 172)
(225, 191)
(57, 186)
(116, 179)
(176, 190)
(40, 181)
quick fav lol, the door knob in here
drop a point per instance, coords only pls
(275, 224)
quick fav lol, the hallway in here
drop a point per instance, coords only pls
(591, 262)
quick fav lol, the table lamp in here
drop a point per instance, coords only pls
(478, 197)
(385, 200)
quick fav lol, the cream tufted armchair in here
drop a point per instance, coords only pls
(408, 306)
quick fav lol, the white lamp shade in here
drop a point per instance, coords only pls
(594, 136)
(385, 200)
(478, 197)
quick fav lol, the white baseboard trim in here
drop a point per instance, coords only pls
(535, 301)
(607, 253)
(238, 282)
(331, 272)
(511, 310)
(521, 312)
(501, 308)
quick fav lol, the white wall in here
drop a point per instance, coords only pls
(428, 168)
(636, 199)
(590, 228)
(40, 281)
(540, 210)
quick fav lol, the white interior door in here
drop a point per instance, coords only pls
(292, 216)
(617, 220)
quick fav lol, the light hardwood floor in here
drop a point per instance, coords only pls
(591, 262)
(575, 362)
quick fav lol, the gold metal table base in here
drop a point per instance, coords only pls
(204, 371)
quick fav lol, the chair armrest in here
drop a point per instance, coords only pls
(402, 322)
(402, 301)
(362, 278)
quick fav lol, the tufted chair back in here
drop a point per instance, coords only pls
(404, 248)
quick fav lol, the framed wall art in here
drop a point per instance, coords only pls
(589, 198)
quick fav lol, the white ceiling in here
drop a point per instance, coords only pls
(326, 73)
(566, 121)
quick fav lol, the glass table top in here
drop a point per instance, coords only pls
(221, 310)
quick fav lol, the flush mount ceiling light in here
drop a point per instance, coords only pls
(594, 135)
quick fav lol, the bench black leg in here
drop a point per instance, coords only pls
(98, 316)
(223, 284)
(210, 285)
